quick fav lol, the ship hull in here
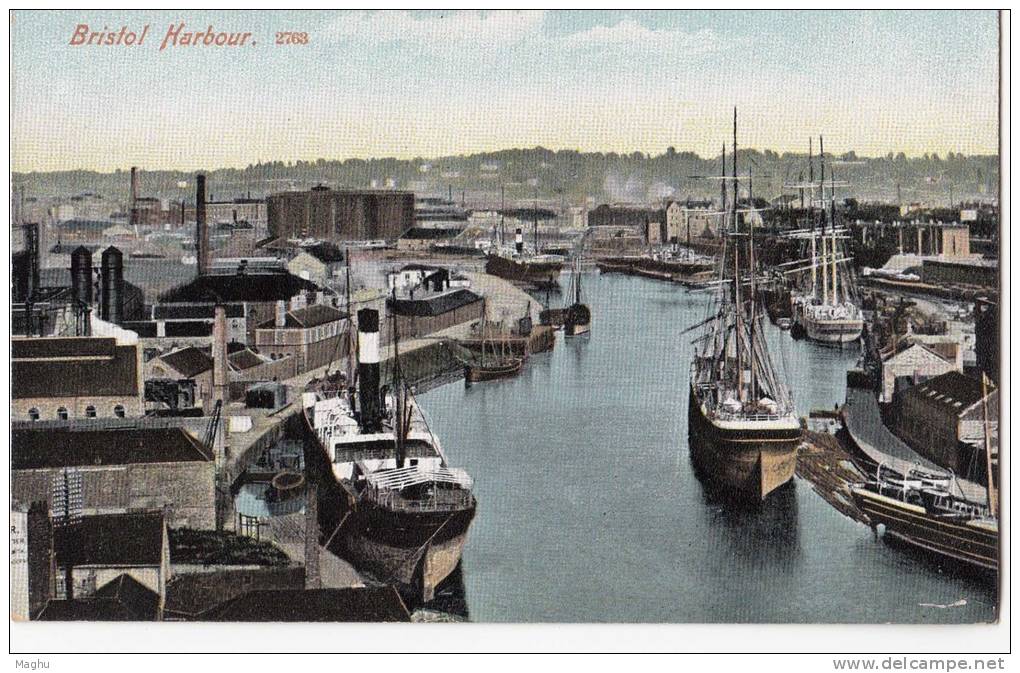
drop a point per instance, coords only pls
(476, 374)
(974, 545)
(537, 274)
(576, 329)
(744, 464)
(415, 551)
(832, 331)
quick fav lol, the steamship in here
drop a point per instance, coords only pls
(402, 513)
(522, 267)
(741, 422)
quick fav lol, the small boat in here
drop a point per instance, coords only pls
(577, 316)
(476, 373)
(496, 361)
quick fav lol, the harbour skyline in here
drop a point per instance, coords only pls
(873, 82)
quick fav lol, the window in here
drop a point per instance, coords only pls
(90, 411)
(62, 414)
(118, 411)
(33, 414)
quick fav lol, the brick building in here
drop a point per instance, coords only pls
(309, 334)
(943, 419)
(121, 469)
(910, 364)
(64, 378)
(425, 313)
(340, 215)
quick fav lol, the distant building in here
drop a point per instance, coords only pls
(625, 215)
(978, 273)
(310, 335)
(252, 211)
(321, 263)
(944, 418)
(66, 378)
(340, 215)
(423, 238)
(121, 469)
(911, 364)
(259, 292)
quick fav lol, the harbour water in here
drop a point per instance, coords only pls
(589, 509)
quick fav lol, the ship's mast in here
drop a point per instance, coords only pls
(825, 257)
(352, 333)
(832, 220)
(751, 211)
(736, 269)
(502, 221)
(398, 395)
(993, 496)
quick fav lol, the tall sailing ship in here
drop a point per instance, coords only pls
(743, 430)
(830, 314)
(403, 513)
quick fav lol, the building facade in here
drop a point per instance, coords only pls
(67, 378)
(310, 335)
(340, 215)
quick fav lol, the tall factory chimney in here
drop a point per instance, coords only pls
(32, 262)
(368, 370)
(219, 353)
(201, 227)
(134, 195)
(112, 288)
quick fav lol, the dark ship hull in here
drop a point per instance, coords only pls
(746, 464)
(537, 273)
(964, 539)
(577, 320)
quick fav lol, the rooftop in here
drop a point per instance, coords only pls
(248, 287)
(122, 599)
(370, 604)
(433, 305)
(309, 316)
(132, 539)
(190, 361)
(73, 367)
(953, 392)
(49, 447)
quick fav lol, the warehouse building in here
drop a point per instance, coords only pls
(340, 215)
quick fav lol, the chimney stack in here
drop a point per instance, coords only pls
(368, 370)
(281, 313)
(81, 288)
(32, 265)
(112, 289)
(134, 195)
(219, 354)
(201, 228)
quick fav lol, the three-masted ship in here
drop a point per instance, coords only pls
(743, 430)
(829, 314)
(402, 513)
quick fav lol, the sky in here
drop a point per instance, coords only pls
(428, 84)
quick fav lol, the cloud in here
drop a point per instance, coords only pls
(438, 32)
(633, 38)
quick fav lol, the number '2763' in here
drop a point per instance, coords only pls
(292, 38)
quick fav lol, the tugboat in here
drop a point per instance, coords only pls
(403, 513)
(742, 427)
